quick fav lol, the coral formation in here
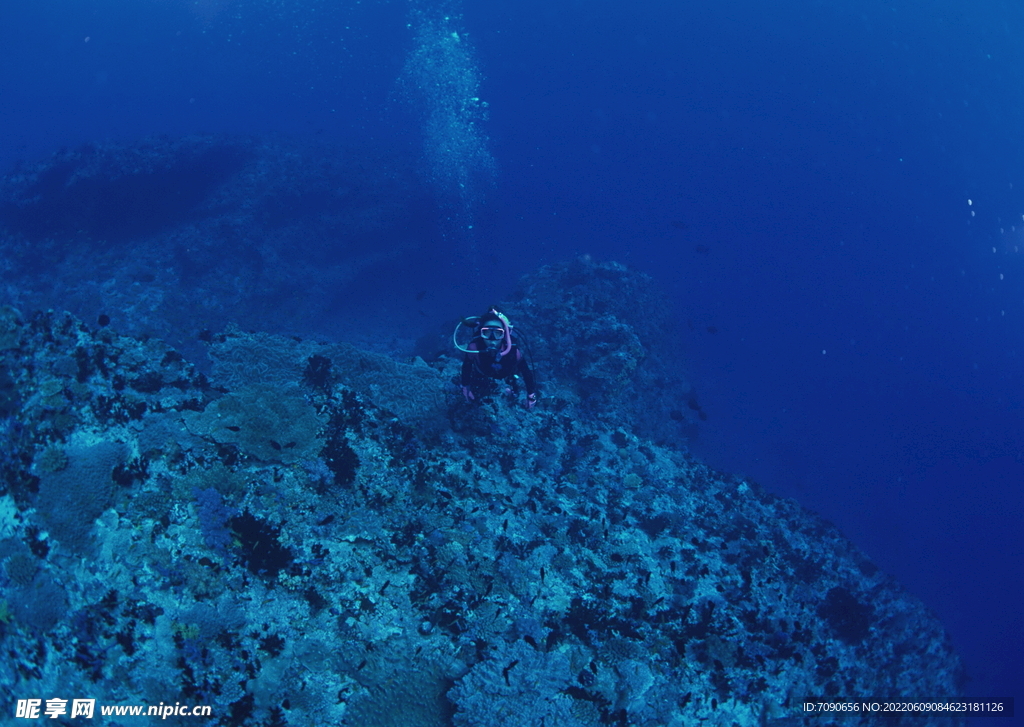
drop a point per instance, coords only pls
(320, 535)
(611, 344)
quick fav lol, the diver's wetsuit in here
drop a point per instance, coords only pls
(480, 369)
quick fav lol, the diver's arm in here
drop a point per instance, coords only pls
(470, 371)
(524, 370)
(466, 380)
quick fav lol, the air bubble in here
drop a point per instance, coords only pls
(442, 81)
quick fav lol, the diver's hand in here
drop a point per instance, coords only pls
(468, 393)
(531, 401)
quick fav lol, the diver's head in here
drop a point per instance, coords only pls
(492, 333)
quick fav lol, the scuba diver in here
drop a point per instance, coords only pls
(491, 356)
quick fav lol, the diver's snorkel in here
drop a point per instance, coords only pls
(508, 331)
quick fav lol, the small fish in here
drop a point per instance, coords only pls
(702, 249)
(680, 225)
(421, 295)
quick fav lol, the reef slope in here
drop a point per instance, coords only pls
(320, 535)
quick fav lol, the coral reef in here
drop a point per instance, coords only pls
(320, 535)
(608, 342)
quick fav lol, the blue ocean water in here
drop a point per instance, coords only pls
(830, 192)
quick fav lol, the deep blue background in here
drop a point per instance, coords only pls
(796, 174)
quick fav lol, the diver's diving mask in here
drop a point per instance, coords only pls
(492, 333)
